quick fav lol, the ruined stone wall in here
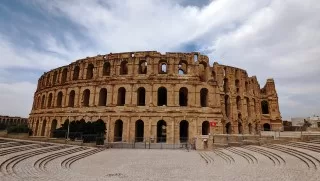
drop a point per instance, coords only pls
(93, 88)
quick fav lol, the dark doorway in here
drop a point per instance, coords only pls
(90, 71)
(204, 97)
(106, 69)
(184, 131)
(103, 97)
(118, 129)
(53, 127)
(43, 129)
(265, 107)
(76, 73)
(71, 98)
(205, 128)
(266, 127)
(228, 128)
(240, 128)
(162, 96)
(86, 98)
(36, 129)
(121, 96)
(250, 128)
(59, 99)
(161, 131)
(141, 97)
(139, 131)
(64, 75)
(183, 96)
(124, 68)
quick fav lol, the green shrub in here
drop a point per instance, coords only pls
(18, 129)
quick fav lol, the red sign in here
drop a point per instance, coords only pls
(213, 124)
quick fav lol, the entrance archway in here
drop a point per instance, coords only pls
(43, 129)
(228, 128)
(250, 128)
(53, 127)
(161, 131)
(118, 129)
(240, 129)
(205, 128)
(266, 127)
(139, 131)
(184, 131)
(36, 128)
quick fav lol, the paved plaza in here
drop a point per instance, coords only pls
(47, 161)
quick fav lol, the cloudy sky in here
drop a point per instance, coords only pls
(268, 38)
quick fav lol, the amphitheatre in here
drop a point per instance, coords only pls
(172, 116)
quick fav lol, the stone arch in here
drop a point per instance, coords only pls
(205, 128)
(228, 128)
(238, 101)
(118, 130)
(183, 67)
(265, 107)
(237, 84)
(39, 102)
(36, 128)
(90, 68)
(49, 104)
(202, 71)
(43, 128)
(248, 107)
(163, 67)
(72, 96)
(184, 131)
(59, 99)
(266, 127)
(53, 127)
(143, 67)
(226, 85)
(240, 128)
(227, 105)
(76, 73)
(162, 96)
(121, 96)
(141, 96)
(55, 77)
(64, 75)
(183, 96)
(247, 86)
(139, 131)
(43, 101)
(124, 68)
(204, 97)
(103, 97)
(106, 69)
(250, 128)
(86, 98)
(161, 131)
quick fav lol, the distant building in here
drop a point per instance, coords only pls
(12, 120)
(314, 120)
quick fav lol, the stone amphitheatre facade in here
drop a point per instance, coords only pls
(143, 96)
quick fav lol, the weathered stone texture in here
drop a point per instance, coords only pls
(92, 89)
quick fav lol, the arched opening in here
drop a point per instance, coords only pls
(103, 97)
(76, 73)
(265, 107)
(226, 85)
(184, 131)
(121, 96)
(250, 128)
(183, 96)
(35, 129)
(182, 68)
(124, 68)
(227, 105)
(237, 83)
(106, 69)
(240, 129)
(204, 97)
(49, 104)
(228, 128)
(59, 99)
(254, 106)
(53, 127)
(86, 98)
(162, 96)
(141, 97)
(161, 131)
(266, 127)
(139, 131)
(43, 129)
(39, 102)
(202, 71)
(48, 80)
(238, 103)
(72, 95)
(55, 76)
(247, 86)
(43, 100)
(90, 71)
(205, 127)
(163, 67)
(118, 129)
(248, 107)
(64, 75)
(143, 67)
(214, 76)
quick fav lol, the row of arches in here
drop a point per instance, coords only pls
(73, 74)
(162, 98)
(10, 121)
